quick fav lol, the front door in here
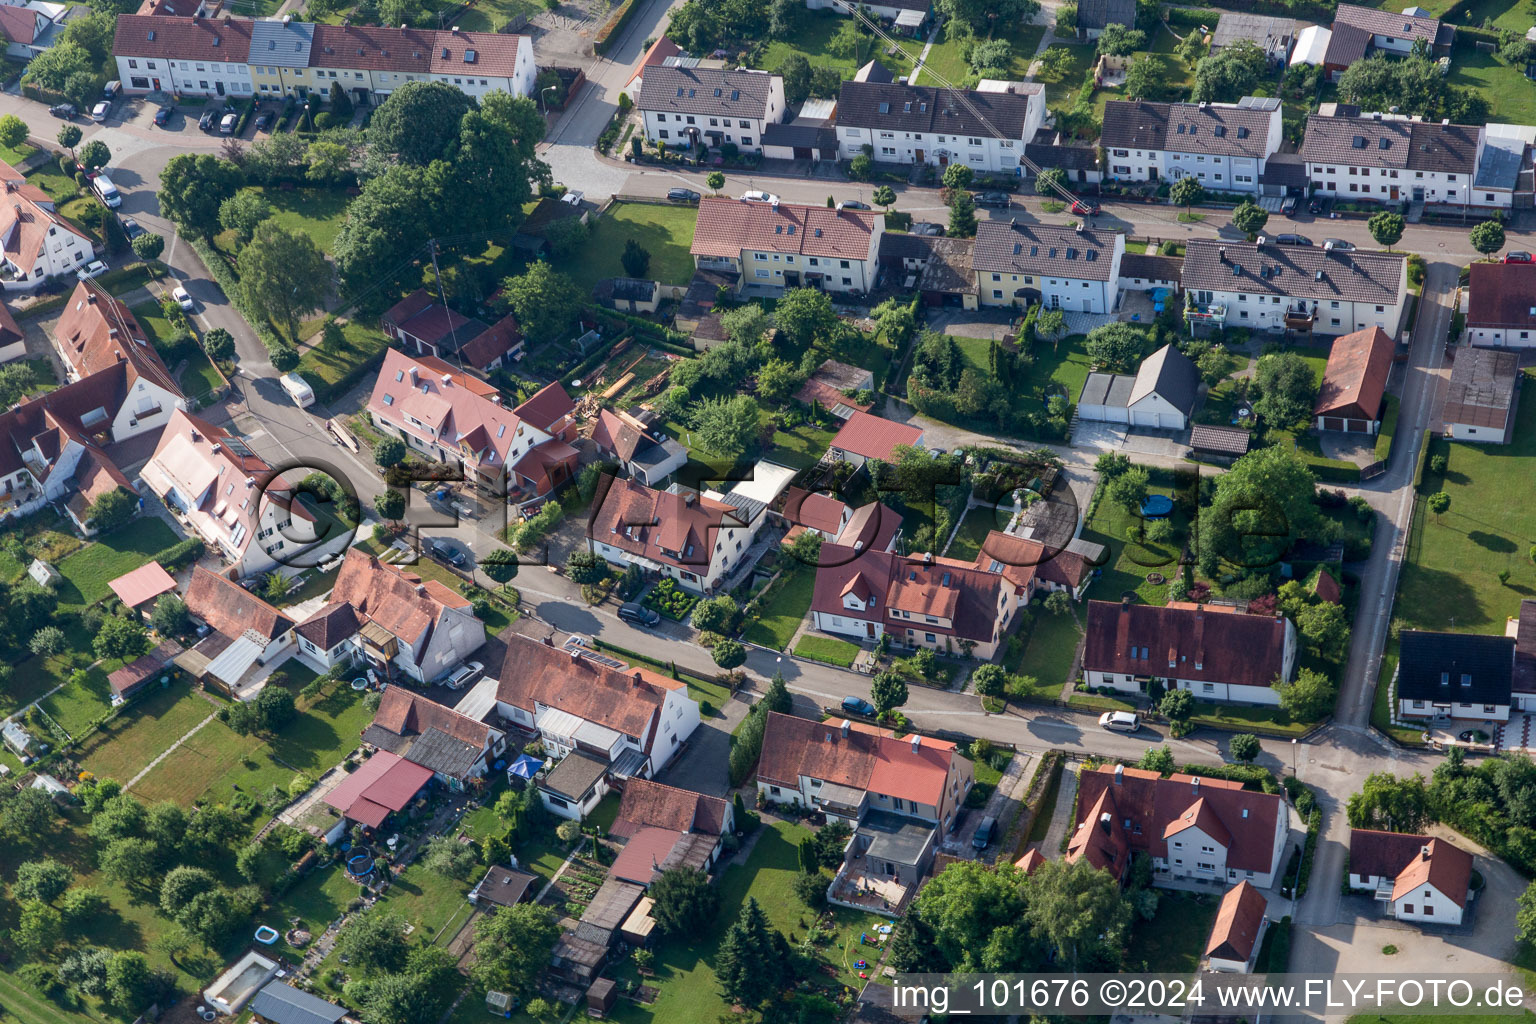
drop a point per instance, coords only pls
(220, 87)
(919, 156)
(943, 161)
(869, 628)
(156, 82)
(1393, 193)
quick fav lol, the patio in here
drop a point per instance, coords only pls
(858, 887)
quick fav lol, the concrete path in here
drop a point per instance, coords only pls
(556, 876)
(168, 751)
(1061, 814)
(922, 58)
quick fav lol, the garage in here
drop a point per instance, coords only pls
(1161, 394)
(1354, 386)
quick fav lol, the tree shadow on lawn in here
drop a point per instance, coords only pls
(1433, 591)
(1491, 541)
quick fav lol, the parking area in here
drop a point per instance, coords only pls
(186, 118)
(1113, 437)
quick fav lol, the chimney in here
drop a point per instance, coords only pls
(1424, 853)
(455, 30)
(90, 296)
(250, 481)
(447, 379)
(1125, 603)
(637, 679)
(1194, 783)
(575, 655)
(917, 742)
(844, 727)
(547, 642)
(421, 590)
(1119, 773)
(1105, 821)
(413, 375)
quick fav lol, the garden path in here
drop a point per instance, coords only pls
(169, 751)
(1061, 814)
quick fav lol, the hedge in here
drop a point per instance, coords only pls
(1193, 17)
(1418, 468)
(122, 279)
(608, 34)
(1388, 429)
(179, 556)
(225, 278)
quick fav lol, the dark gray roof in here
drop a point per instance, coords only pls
(1068, 158)
(1226, 440)
(706, 91)
(1171, 375)
(1383, 141)
(808, 134)
(281, 1003)
(1052, 249)
(1273, 35)
(896, 246)
(874, 71)
(443, 753)
(1499, 167)
(926, 108)
(1482, 388)
(1111, 389)
(1098, 13)
(654, 452)
(1151, 268)
(625, 289)
(894, 838)
(1288, 170)
(281, 45)
(1393, 24)
(503, 886)
(1293, 271)
(1455, 668)
(575, 776)
(949, 266)
(1217, 129)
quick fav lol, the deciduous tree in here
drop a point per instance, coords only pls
(512, 947)
(243, 212)
(283, 275)
(193, 187)
(545, 301)
(1386, 227)
(1488, 237)
(419, 120)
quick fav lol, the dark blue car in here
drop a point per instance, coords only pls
(858, 706)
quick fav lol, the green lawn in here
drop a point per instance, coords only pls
(1381, 703)
(605, 813)
(21, 1004)
(1174, 940)
(665, 230)
(490, 15)
(198, 377)
(1238, 718)
(797, 448)
(1450, 577)
(1132, 560)
(316, 212)
(1049, 651)
(827, 649)
(824, 39)
(325, 369)
(88, 571)
(34, 676)
(498, 618)
(783, 609)
(947, 59)
(1061, 87)
(1060, 369)
(1510, 95)
(978, 522)
(77, 705)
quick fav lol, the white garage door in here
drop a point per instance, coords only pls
(1144, 418)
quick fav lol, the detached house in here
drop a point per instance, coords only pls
(1214, 651)
(1064, 268)
(1389, 158)
(425, 327)
(97, 334)
(710, 106)
(923, 124)
(1415, 878)
(1293, 287)
(869, 527)
(695, 539)
(647, 455)
(1223, 145)
(1354, 388)
(864, 436)
(1240, 922)
(248, 637)
(453, 417)
(1359, 31)
(1193, 828)
(1454, 678)
(1160, 395)
(454, 748)
(783, 245)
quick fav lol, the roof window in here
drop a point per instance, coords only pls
(679, 90)
(885, 108)
(151, 35)
(1091, 255)
(446, 52)
(217, 40)
(1383, 143)
(1034, 250)
(818, 235)
(1221, 131)
(791, 229)
(1359, 142)
(1242, 132)
(735, 94)
(470, 56)
(1181, 129)
(717, 93)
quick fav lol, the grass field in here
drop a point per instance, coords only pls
(364, 342)
(1048, 653)
(1238, 718)
(783, 609)
(665, 230)
(978, 522)
(1060, 369)
(827, 649)
(1061, 87)
(198, 377)
(316, 212)
(1509, 93)
(1174, 940)
(826, 39)
(490, 15)
(1131, 560)
(1450, 577)
(88, 571)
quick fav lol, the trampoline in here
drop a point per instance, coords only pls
(1156, 506)
(360, 864)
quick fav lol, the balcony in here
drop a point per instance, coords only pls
(1205, 312)
(719, 263)
(1300, 319)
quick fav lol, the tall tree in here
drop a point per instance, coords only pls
(1488, 237)
(1078, 910)
(243, 212)
(1231, 73)
(1386, 227)
(545, 301)
(969, 916)
(685, 901)
(1264, 503)
(887, 691)
(1117, 345)
(192, 188)
(962, 216)
(512, 947)
(751, 960)
(1287, 389)
(374, 942)
(1390, 803)
(725, 426)
(283, 275)
(805, 316)
(43, 880)
(418, 121)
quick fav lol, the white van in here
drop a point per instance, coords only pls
(107, 191)
(1120, 721)
(298, 389)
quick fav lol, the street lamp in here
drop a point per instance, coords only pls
(544, 107)
(1294, 741)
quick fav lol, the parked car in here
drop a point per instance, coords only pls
(755, 196)
(1288, 206)
(183, 299)
(858, 706)
(853, 204)
(638, 614)
(95, 268)
(573, 197)
(1085, 207)
(100, 111)
(111, 89)
(927, 227)
(264, 120)
(983, 837)
(1517, 257)
(465, 675)
(1285, 239)
(1120, 721)
(683, 195)
(162, 117)
(999, 199)
(132, 228)
(448, 553)
(65, 110)
(227, 124)
(207, 121)
(1330, 244)
(1315, 207)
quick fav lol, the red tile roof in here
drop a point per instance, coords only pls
(873, 437)
(330, 625)
(676, 529)
(1412, 861)
(1031, 860)
(727, 226)
(406, 713)
(408, 307)
(642, 857)
(394, 598)
(628, 700)
(128, 679)
(647, 803)
(27, 218)
(18, 23)
(471, 53)
(1500, 295)
(1238, 921)
(491, 344)
(920, 584)
(1240, 649)
(372, 48)
(827, 396)
(547, 408)
(231, 609)
(1157, 805)
(660, 50)
(227, 40)
(148, 581)
(866, 758)
(820, 512)
(1356, 377)
(96, 331)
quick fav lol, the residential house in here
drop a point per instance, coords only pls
(696, 539)
(1241, 919)
(943, 604)
(634, 720)
(247, 637)
(30, 28)
(382, 785)
(38, 243)
(425, 327)
(575, 786)
(1073, 269)
(1293, 287)
(500, 345)
(456, 749)
(924, 124)
(1275, 36)
(1160, 395)
(188, 56)
(97, 333)
(1353, 395)
(1483, 394)
(245, 512)
(784, 245)
(665, 827)
(869, 527)
(904, 14)
(1193, 828)
(1053, 150)
(1415, 878)
(1093, 16)
(455, 418)
(834, 382)
(1144, 272)
(1455, 680)
(1225, 146)
(1501, 305)
(714, 107)
(654, 56)
(398, 623)
(939, 267)
(1216, 652)
(1360, 31)
(646, 454)
(864, 436)
(1030, 566)
(280, 54)
(1389, 158)
(280, 1003)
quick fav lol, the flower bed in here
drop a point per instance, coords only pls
(667, 598)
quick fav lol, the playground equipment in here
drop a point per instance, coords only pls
(360, 865)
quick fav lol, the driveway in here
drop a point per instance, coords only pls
(1112, 437)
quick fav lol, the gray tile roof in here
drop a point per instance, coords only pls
(1111, 389)
(1381, 141)
(1211, 128)
(1273, 35)
(1293, 271)
(276, 44)
(1051, 249)
(892, 106)
(1170, 374)
(711, 91)
(1098, 13)
(1068, 158)
(949, 267)
(576, 774)
(283, 1004)
(1151, 268)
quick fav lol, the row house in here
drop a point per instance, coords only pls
(633, 721)
(1223, 145)
(454, 748)
(1193, 828)
(986, 129)
(1216, 652)
(455, 418)
(1390, 158)
(692, 106)
(1068, 268)
(1265, 286)
(786, 245)
(680, 534)
(38, 243)
(284, 57)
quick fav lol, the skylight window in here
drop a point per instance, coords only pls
(389, 399)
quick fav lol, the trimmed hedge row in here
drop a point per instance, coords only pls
(225, 278)
(608, 34)
(180, 555)
(122, 279)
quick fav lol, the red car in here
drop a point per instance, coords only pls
(1084, 208)
(1517, 257)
